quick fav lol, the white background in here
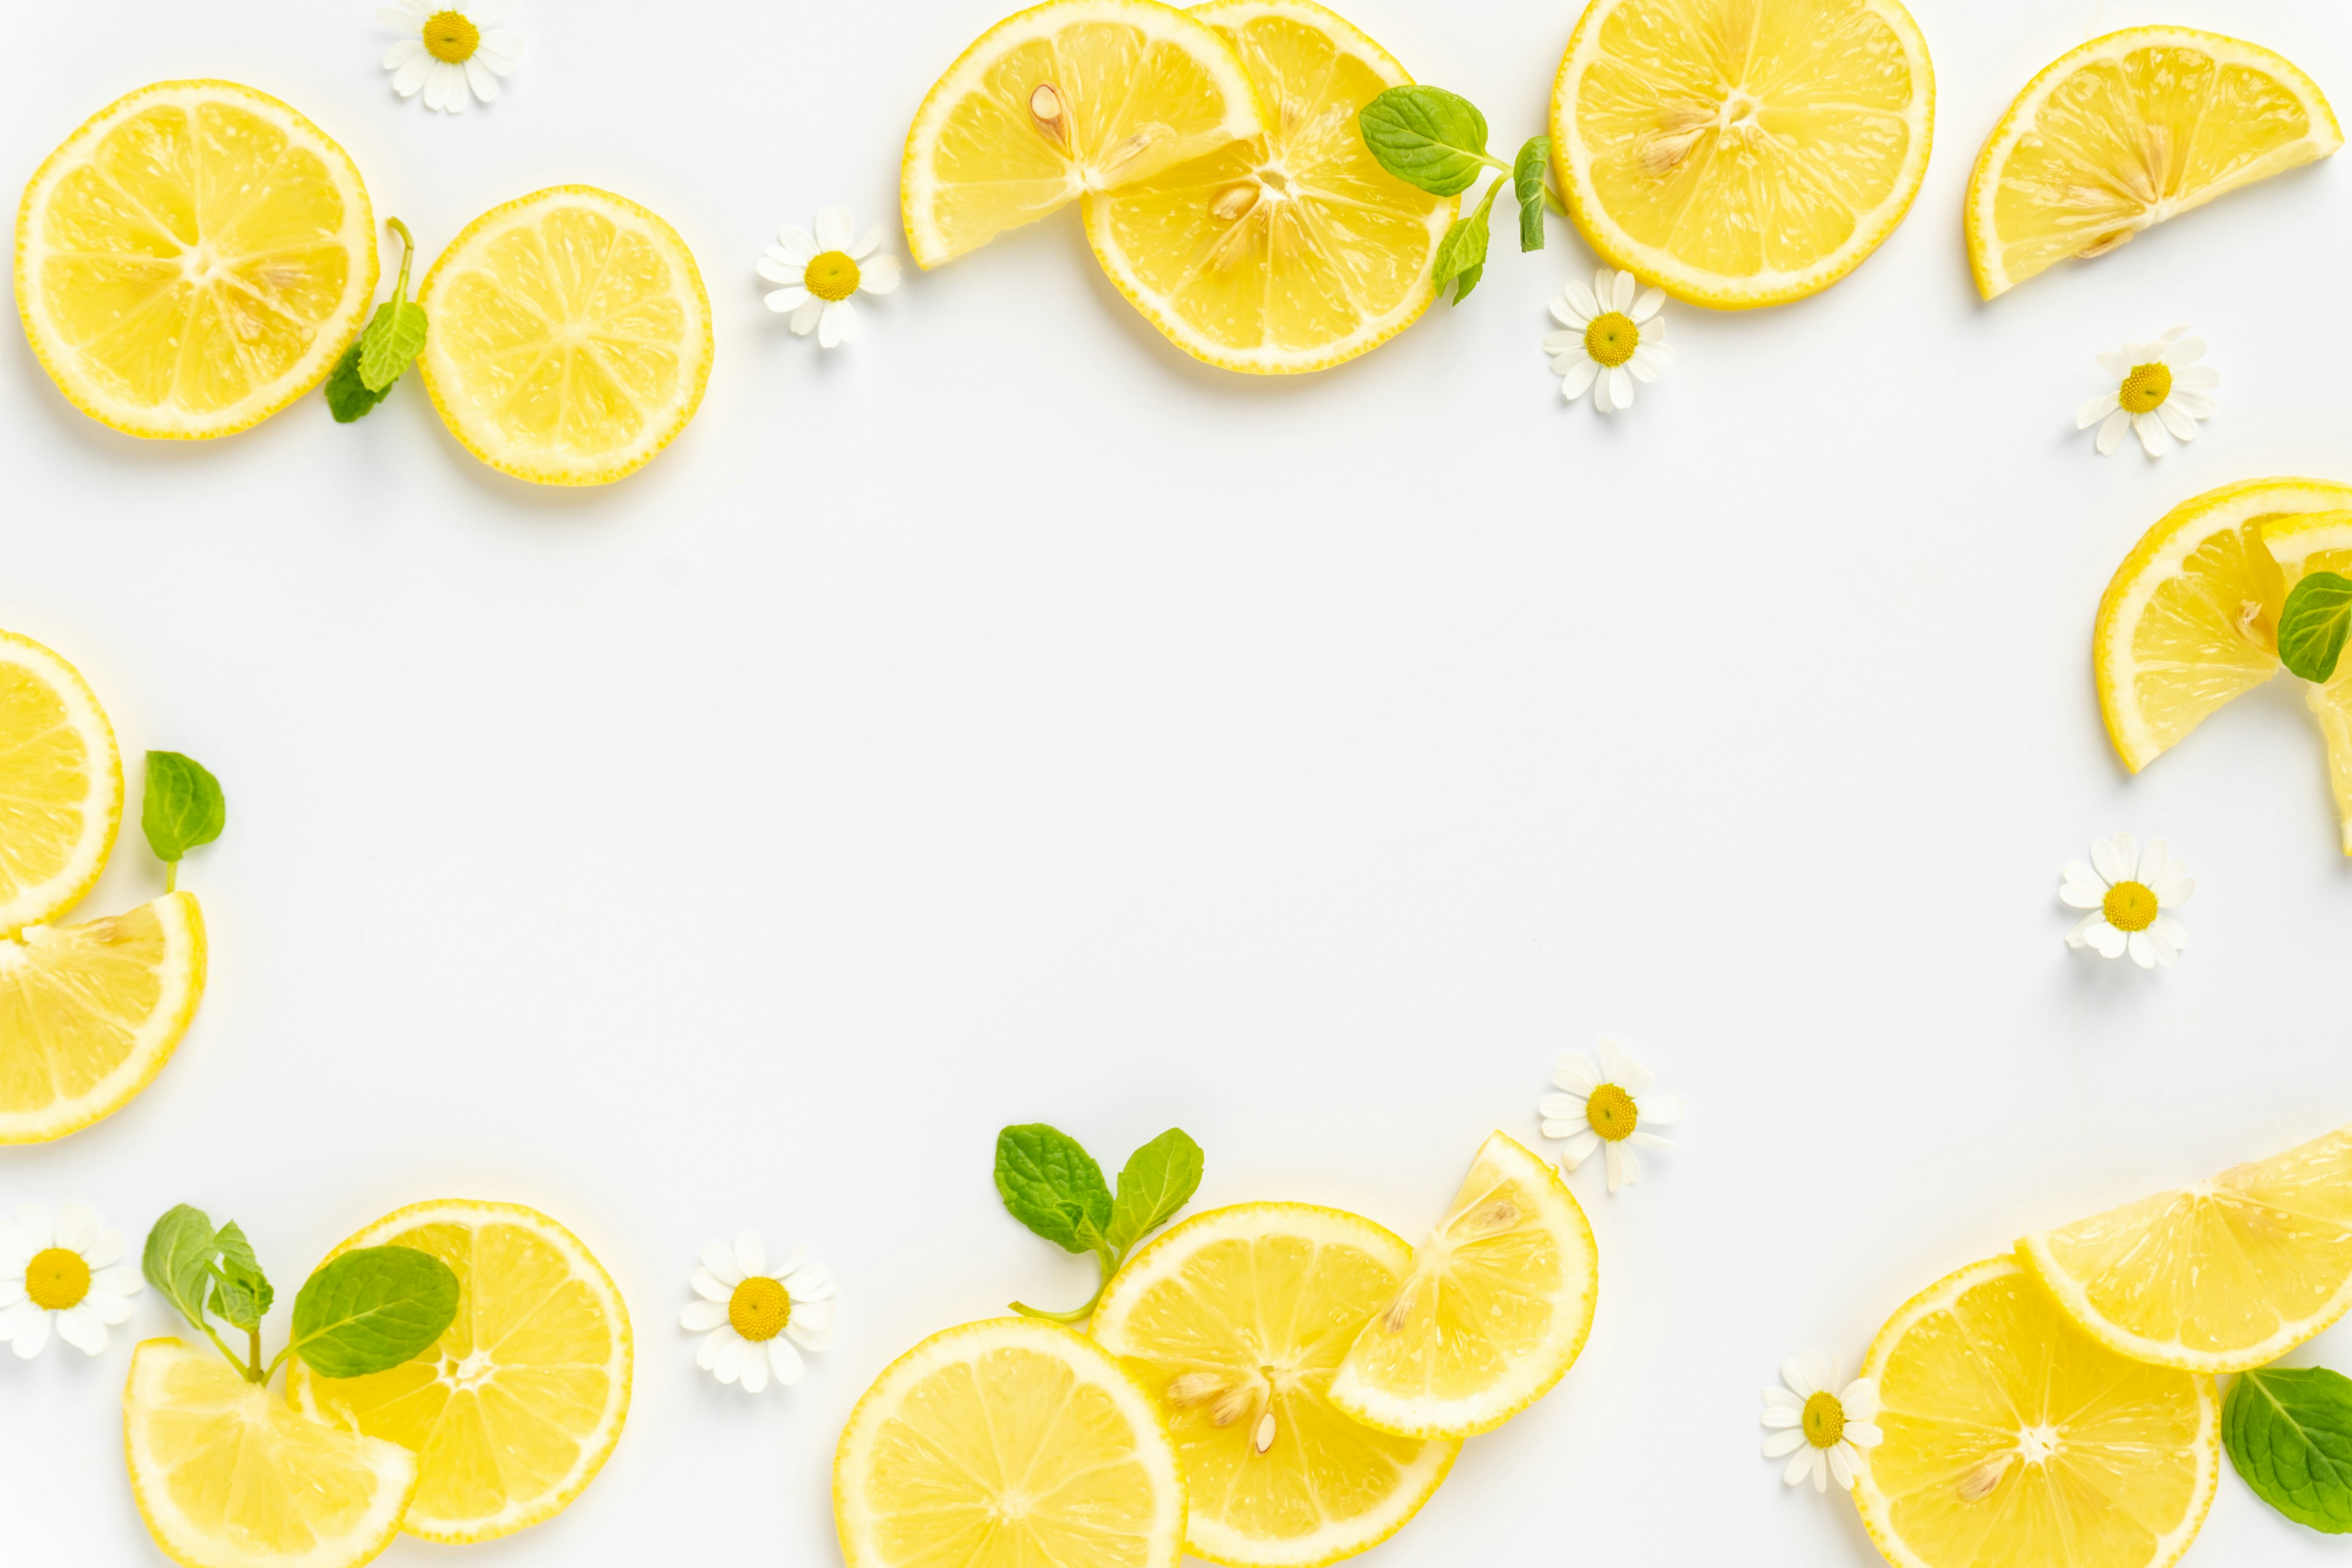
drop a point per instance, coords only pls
(1006, 718)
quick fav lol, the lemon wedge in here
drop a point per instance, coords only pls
(2126, 131)
(61, 785)
(2322, 542)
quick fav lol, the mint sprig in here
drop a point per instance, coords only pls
(2314, 625)
(184, 809)
(1050, 1184)
(393, 337)
(1435, 141)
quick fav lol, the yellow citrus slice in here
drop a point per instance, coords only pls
(2216, 1277)
(1237, 1321)
(2012, 1439)
(2127, 130)
(1008, 1444)
(518, 1406)
(570, 337)
(227, 1477)
(1290, 251)
(61, 785)
(2322, 542)
(1496, 1310)
(1742, 152)
(1066, 97)
(193, 259)
(90, 1013)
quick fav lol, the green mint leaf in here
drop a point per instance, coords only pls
(1427, 137)
(391, 340)
(1462, 254)
(178, 1260)
(2312, 626)
(1528, 184)
(242, 1294)
(1157, 1180)
(1050, 1184)
(348, 398)
(183, 807)
(370, 1310)
(2289, 1433)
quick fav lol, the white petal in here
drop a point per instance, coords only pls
(504, 42)
(2196, 378)
(103, 1250)
(1581, 305)
(1805, 1375)
(750, 1256)
(78, 1227)
(83, 1329)
(2175, 935)
(2117, 366)
(812, 1283)
(1580, 1148)
(783, 300)
(2116, 858)
(701, 1317)
(1620, 1166)
(878, 276)
(1781, 1417)
(2076, 898)
(772, 267)
(1648, 305)
(1780, 1443)
(1864, 1433)
(488, 13)
(706, 1356)
(805, 320)
(2143, 952)
(2096, 409)
(817, 1314)
(2109, 941)
(402, 52)
(2111, 434)
(809, 1336)
(1859, 1399)
(13, 1317)
(752, 1366)
(1640, 1139)
(1621, 387)
(1779, 1398)
(720, 1258)
(1560, 1106)
(1800, 1466)
(1563, 343)
(1841, 1465)
(733, 1351)
(2196, 404)
(1622, 299)
(835, 326)
(835, 230)
(482, 80)
(1821, 1470)
(2150, 431)
(1575, 1073)
(12, 1292)
(1553, 1129)
(32, 1333)
(1579, 376)
(869, 242)
(785, 1361)
(2181, 888)
(797, 245)
(2164, 950)
(2176, 420)
(714, 1287)
(1659, 1109)
(2186, 352)
(35, 1227)
(413, 73)
(1640, 367)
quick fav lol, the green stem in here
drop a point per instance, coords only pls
(1551, 200)
(171, 875)
(407, 254)
(1104, 1259)
(253, 1372)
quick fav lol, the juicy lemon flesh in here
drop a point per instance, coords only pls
(61, 785)
(2013, 1439)
(2322, 542)
(2209, 632)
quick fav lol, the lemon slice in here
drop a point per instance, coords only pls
(193, 259)
(518, 1406)
(89, 1013)
(1009, 1444)
(1742, 152)
(1496, 1310)
(2219, 1276)
(1290, 251)
(2127, 130)
(227, 1477)
(2012, 1439)
(1066, 97)
(570, 336)
(61, 785)
(2322, 542)
(1236, 1319)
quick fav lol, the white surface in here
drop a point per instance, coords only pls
(1005, 719)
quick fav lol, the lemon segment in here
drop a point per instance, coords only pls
(1496, 1310)
(1237, 1321)
(193, 259)
(2322, 542)
(1066, 97)
(1293, 250)
(2126, 131)
(61, 785)
(1007, 1444)
(2012, 1439)
(1742, 152)
(227, 1477)
(521, 1403)
(570, 336)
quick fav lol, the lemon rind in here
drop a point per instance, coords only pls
(104, 804)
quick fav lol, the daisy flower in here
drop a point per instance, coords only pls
(821, 272)
(1821, 1433)
(2131, 893)
(2161, 388)
(750, 1318)
(1613, 339)
(1608, 1106)
(62, 1276)
(451, 52)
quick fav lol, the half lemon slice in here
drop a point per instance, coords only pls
(61, 785)
(2322, 542)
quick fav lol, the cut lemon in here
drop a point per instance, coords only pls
(89, 1013)
(2322, 542)
(61, 785)
(227, 1477)
(1496, 1307)
(2219, 1276)
(1290, 251)
(193, 259)
(570, 336)
(1007, 1444)
(1236, 1319)
(2012, 1439)
(2127, 130)
(518, 1406)
(1742, 152)
(1069, 97)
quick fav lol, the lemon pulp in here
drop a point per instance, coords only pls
(2322, 542)
(61, 785)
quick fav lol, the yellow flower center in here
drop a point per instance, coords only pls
(1824, 1420)
(57, 1280)
(2129, 906)
(2145, 388)
(832, 276)
(450, 36)
(1610, 1111)
(1611, 339)
(760, 1309)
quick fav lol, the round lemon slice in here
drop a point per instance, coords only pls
(570, 336)
(1237, 1321)
(61, 785)
(514, 1412)
(193, 259)
(1066, 97)
(2322, 542)
(227, 1477)
(1290, 251)
(1009, 1444)
(2012, 1439)
(2127, 130)
(1742, 152)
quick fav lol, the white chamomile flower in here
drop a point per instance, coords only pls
(67, 1276)
(2131, 893)
(1612, 340)
(2159, 388)
(451, 52)
(820, 272)
(1608, 1106)
(750, 1317)
(1821, 1433)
